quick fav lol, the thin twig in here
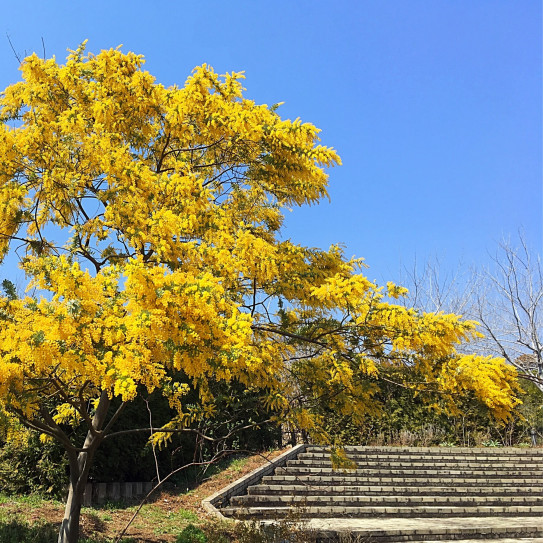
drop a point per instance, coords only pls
(157, 469)
(13, 49)
(215, 459)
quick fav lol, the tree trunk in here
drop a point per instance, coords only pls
(80, 465)
(69, 529)
(79, 473)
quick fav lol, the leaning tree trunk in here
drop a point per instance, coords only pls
(80, 464)
(79, 473)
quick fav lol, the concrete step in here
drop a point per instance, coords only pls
(500, 452)
(259, 500)
(485, 454)
(390, 512)
(405, 494)
(422, 538)
(466, 529)
(409, 472)
(503, 540)
(426, 459)
(522, 536)
(355, 479)
(426, 464)
(346, 490)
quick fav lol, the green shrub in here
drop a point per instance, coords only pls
(19, 532)
(191, 534)
(39, 468)
(410, 418)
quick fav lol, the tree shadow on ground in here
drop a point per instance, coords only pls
(17, 531)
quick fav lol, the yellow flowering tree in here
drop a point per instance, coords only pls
(146, 219)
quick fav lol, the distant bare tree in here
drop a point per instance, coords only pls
(511, 309)
(506, 298)
(434, 289)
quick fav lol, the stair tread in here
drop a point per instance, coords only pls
(427, 510)
(424, 500)
(422, 458)
(486, 540)
(431, 459)
(387, 481)
(426, 525)
(448, 471)
(495, 491)
(432, 494)
(431, 450)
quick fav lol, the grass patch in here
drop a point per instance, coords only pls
(166, 519)
(18, 531)
(165, 522)
(234, 463)
(104, 539)
(31, 500)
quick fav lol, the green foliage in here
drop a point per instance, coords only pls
(492, 443)
(240, 415)
(191, 534)
(41, 468)
(33, 468)
(407, 417)
(532, 411)
(32, 501)
(170, 523)
(127, 457)
(286, 531)
(16, 531)
(290, 530)
(9, 289)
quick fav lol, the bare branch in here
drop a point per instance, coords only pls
(13, 49)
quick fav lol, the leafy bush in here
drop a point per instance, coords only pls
(19, 532)
(408, 418)
(289, 530)
(33, 467)
(30, 466)
(191, 534)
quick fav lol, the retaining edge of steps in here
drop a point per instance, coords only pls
(240, 485)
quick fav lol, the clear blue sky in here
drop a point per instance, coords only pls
(435, 106)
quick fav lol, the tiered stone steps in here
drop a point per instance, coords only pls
(406, 494)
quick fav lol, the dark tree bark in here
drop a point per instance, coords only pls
(80, 464)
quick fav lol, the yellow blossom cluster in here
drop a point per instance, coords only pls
(149, 219)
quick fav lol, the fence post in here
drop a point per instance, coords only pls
(126, 491)
(87, 495)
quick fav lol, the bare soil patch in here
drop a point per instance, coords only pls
(158, 522)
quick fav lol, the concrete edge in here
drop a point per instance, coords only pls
(442, 449)
(239, 486)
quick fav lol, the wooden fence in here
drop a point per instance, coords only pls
(96, 493)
